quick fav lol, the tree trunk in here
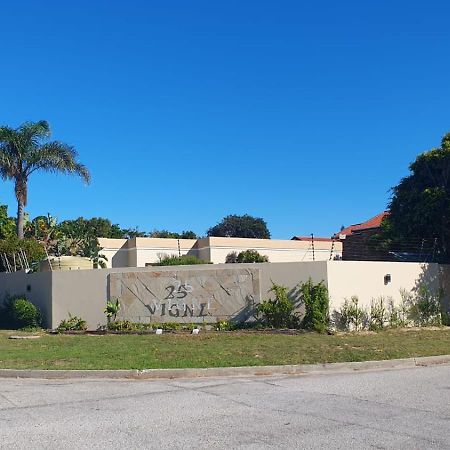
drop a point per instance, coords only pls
(20, 218)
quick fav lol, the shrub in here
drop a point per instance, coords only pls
(111, 310)
(279, 312)
(184, 260)
(445, 318)
(426, 307)
(251, 256)
(74, 323)
(317, 304)
(19, 313)
(399, 315)
(231, 258)
(378, 314)
(225, 325)
(121, 325)
(351, 316)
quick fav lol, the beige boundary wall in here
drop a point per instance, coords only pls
(139, 252)
(84, 292)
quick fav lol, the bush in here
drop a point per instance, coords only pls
(231, 258)
(225, 325)
(251, 256)
(121, 325)
(426, 307)
(399, 315)
(20, 313)
(317, 304)
(112, 309)
(378, 314)
(74, 323)
(351, 316)
(184, 260)
(278, 313)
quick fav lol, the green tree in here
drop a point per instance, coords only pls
(420, 204)
(240, 226)
(12, 246)
(78, 237)
(25, 150)
(44, 229)
(129, 233)
(173, 235)
(7, 224)
(97, 226)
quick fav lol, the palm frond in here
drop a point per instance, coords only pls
(9, 144)
(35, 130)
(56, 156)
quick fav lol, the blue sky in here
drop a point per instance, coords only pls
(303, 113)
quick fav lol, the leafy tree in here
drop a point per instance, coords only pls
(79, 238)
(104, 228)
(44, 229)
(97, 226)
(7, 224)
(129, 233)
(169, 234)
(12, 246)
(420, 204)
(240, 226)
(25, 150)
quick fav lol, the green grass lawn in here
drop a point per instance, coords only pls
(215, 349)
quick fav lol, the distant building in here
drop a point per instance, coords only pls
(357, 241)
(141, 252)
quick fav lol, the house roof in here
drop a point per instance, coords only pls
(374, 222)
(309, 238)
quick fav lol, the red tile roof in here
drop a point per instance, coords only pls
(374, 222)
(308, 238)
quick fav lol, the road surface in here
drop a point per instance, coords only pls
(407, 408)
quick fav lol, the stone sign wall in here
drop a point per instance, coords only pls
(186, 295)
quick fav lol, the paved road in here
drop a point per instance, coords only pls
(407, 408)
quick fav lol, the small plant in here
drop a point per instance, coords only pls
(378, 314)
(168, 326)
(111, 310)
(121, 325)
(225, 325)
(20, 313)
(279, 312)
(74, 323)
(317, 304)
(351, 316)
(398, 315)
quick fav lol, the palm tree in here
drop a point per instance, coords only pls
(25, 150)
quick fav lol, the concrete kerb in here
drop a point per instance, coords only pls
(247, 371)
